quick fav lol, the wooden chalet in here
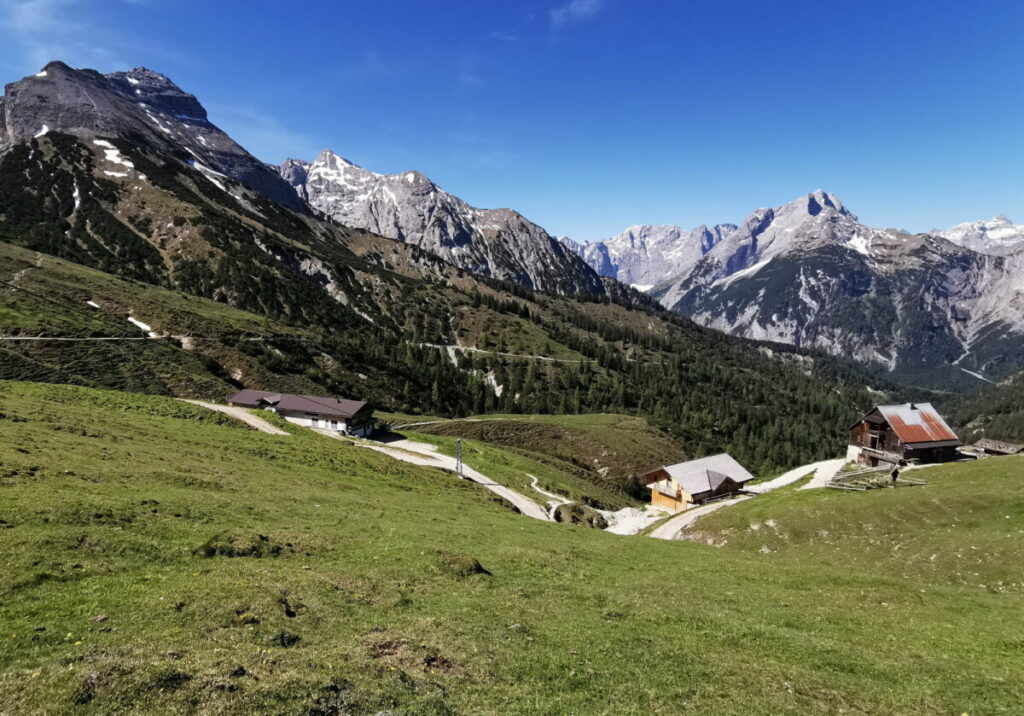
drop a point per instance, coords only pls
(351, 417)
(912, 432)
(676, 487)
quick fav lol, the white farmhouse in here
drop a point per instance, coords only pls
(351, 417)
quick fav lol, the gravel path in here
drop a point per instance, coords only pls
(826, 472)
(823, 472)
(242, 414)
(425, 454)
(671, 528)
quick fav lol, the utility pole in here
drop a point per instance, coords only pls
(458, 457)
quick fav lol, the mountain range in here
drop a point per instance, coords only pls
(164, 258)
(411, 208)
(645, 255)
(943, 307)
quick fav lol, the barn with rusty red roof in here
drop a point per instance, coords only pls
(912, 432)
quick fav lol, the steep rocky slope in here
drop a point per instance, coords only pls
(809, 273)
(998, 236)
(645, 255)
(411, 208)
(141, 104)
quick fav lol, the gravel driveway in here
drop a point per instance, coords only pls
(242, 414)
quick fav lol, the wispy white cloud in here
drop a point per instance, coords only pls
(468, 77)
(515, 32)
(575, 11)
(369, 67)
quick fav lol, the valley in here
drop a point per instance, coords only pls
(171, 547)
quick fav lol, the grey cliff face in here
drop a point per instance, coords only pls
(141, 105)
(409, 207)
(998, 236)
(645, 255)
(296, 172)
(809, 273)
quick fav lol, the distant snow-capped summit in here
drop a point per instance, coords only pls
(998, 236)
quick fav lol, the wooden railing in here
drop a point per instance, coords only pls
(882, 454)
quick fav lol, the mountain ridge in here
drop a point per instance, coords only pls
(810, 273)
(139, 103)
(409, 207)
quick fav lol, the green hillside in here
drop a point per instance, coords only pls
(964, 528)
(995, 411)
(708, 392)
(613, 449)
(182, 563)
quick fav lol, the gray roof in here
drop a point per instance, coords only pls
(707, 473)
(333, 407)
(999, 446)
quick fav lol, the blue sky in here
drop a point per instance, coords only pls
(590, 115)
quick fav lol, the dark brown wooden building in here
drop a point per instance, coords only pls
(914, 432)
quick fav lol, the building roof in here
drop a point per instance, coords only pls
(999, 446)
(917, 423)
(706, 474)
(333, 407)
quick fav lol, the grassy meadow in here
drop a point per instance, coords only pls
(158, 558)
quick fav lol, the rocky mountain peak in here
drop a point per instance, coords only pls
(141, 105)
(997, 236)
(643, 255)
(410, 207)
(817, 201)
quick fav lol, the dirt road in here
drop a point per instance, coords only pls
(823, 472)
(242, 414)
(671, 528)
(417, 453)
(826, 471)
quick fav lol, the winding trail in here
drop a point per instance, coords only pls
(826, 472)
(555, 502)
(671, 528)
(424, 454)
(823, 471)
(241, 414)
(470, 349)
